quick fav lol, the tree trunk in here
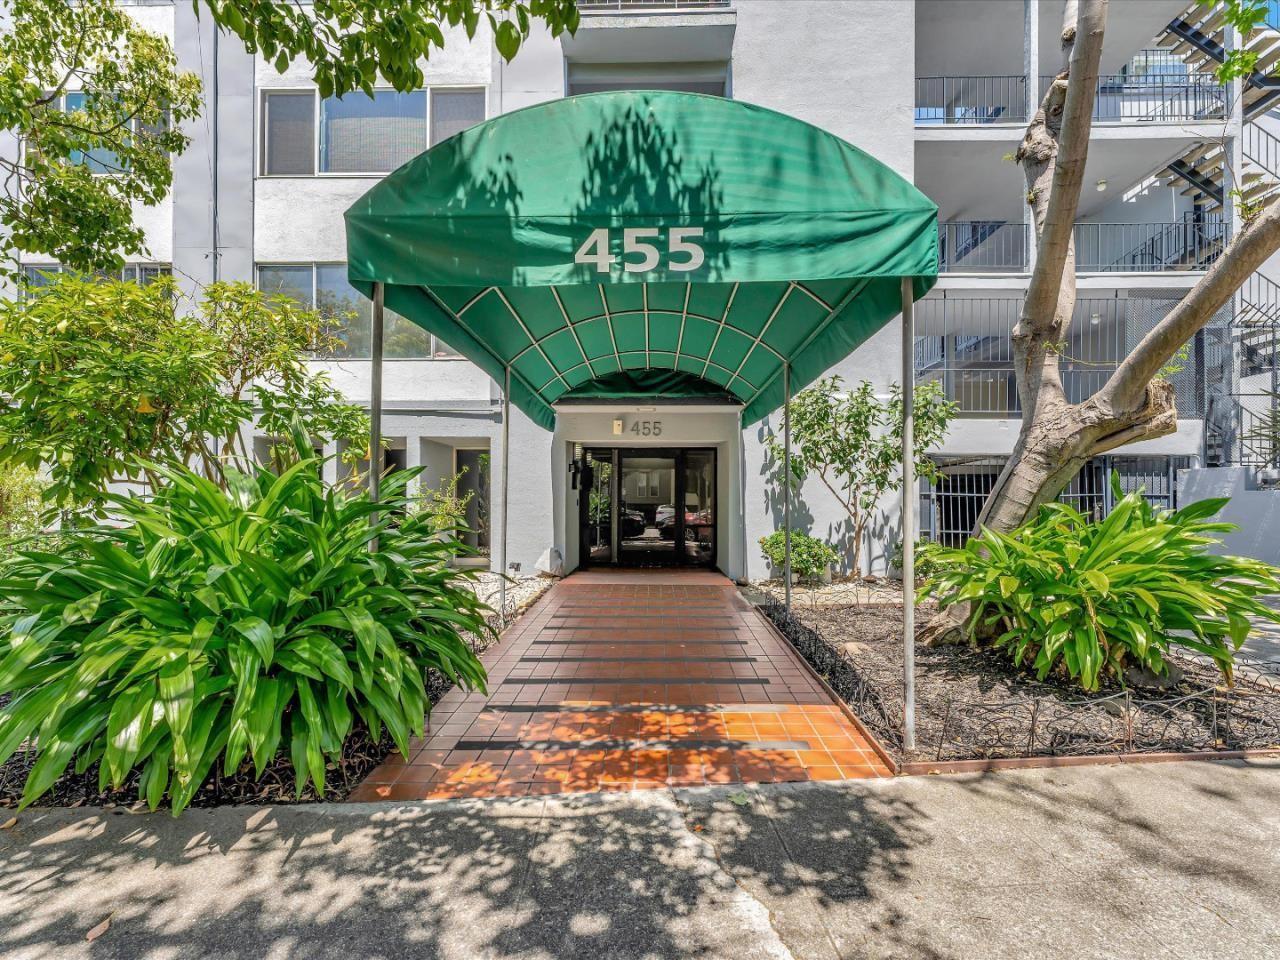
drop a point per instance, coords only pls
(1057, 437)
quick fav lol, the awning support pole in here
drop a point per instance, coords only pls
(506, 473)
(786, 481)
(908, 517)
(375, 406)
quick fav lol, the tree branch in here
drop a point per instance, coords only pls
(1251, 247)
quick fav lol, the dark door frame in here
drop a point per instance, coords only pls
(617, 453)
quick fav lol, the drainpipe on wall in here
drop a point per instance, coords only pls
(213, 149)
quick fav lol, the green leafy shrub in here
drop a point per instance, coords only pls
(1089, 599)
(216, 626)
(809, 555)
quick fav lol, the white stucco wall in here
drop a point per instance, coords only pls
(846, 65)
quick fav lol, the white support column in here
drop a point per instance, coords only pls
(786, 480)
(506, 490)
(1031, 70)
(1232, 178)
(1233, 139)
(908, 518)
(375, 404)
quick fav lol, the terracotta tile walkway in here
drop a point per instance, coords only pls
(625, 680)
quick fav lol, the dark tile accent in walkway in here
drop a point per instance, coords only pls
(692, 688)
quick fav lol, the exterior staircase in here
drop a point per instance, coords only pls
(1197, 37)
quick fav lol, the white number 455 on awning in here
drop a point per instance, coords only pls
(683, 253)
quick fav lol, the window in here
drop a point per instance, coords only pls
(452, 111)
(100, 159)
(303, 135)
(363, 134)
(288, 134)
(291, 281)
(38, 274)
(324, 287)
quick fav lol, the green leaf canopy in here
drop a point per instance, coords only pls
(645, 243)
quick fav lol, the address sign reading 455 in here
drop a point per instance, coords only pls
(683, 253)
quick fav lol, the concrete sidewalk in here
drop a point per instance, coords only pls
(1166, 860)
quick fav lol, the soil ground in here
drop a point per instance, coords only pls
(970, 704)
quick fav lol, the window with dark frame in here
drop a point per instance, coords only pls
(359, 134)
(288, 133)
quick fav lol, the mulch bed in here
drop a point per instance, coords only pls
(277, 785)
(971, 704)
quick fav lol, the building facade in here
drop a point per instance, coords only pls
(938, 90)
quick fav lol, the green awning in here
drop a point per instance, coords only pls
(644, 232)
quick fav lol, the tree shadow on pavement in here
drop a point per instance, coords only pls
(1117, 861)
(590, 876)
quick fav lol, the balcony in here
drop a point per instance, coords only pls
(641, 33)
(996, 247)
(966, 344)
(944, 101)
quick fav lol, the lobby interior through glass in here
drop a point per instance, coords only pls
(646, 506)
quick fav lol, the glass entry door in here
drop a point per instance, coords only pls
(596, 500)
(647, 507)
(646, 511)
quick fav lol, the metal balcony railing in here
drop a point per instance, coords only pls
(1252, 421)
(994, 246)
(970, 100)
(1261, 149)
(982, 246)
(1187, 244)
(1119, 98)
(966, 344)
(1155, 98)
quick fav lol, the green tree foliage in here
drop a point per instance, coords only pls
(1246, 16)
(96, 103)
(350, 44)
(852, 442)
(210, 629)
(1086, 600)
(105, 377)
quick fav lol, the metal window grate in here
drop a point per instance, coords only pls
(949, 510)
